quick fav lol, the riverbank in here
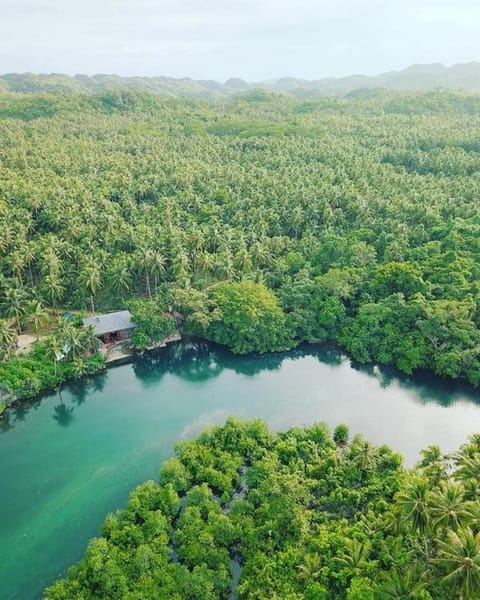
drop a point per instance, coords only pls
(28, 367)
(70, 460)
(123, 352)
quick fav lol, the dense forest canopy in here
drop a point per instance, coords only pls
(244, 513)
(354, 220)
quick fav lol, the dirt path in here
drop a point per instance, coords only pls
(25, 343)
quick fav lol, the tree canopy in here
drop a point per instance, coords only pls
(356, 218)
(298, 514)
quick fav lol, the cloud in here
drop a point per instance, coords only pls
(254, 39)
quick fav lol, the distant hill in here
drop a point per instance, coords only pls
(417, 77)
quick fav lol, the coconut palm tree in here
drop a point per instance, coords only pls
(36, 315)
(91, 279)
(355, 554)
(8, 338)
(71, 338)
(311, 567)
(433, 464)
(54, 351)
(364, 455)
(90, 342)
(53, 290)
(29, 253)
(414, 503)
(80, 368)
(157, 267)
(120, 276)
(448, 508)
(17, 265)
(143, 260)
(468, 472)
(403, 584)
(13, 305)
(459, 557)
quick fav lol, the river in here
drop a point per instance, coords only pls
(68, 459)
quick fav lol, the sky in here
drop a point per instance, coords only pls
(218, 39)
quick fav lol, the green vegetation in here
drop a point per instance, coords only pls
(69, 353)
(153, 322)
(422, 77)
(303, 517)
(265, 221)
(248, 318)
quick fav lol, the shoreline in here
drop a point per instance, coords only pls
(119, 358)
(128, 356)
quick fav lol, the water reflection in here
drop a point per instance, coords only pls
(63, 414)
(18, 413)
(422, 386)
(198, 361)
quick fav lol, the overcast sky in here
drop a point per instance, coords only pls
(252, 39)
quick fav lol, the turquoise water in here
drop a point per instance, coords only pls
(66, 461)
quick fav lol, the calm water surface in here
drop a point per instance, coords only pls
(66, 461)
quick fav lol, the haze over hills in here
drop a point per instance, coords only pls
(416, 77)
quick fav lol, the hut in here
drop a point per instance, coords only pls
(112, 327)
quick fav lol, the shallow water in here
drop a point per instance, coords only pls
(67, 460)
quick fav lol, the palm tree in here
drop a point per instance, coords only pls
(13, 305)
(80, 368)
(459, 556)
(474, 442)
(120, 276)
(144, 262)
(55, 351)
(403, 584)
(157, 266)
(449, 510)
(259, 253)
(180, 266)
(90, 342)
(355, 554)
(36, 315)
(29, 256)
(468, 471)
(91, 279)
(364, 455)
(310, 569)
(414, 504)
(224, 265)
(433, 464)
(8, 338)
(243, 261)
(53, 290)
(205, 261)
(71, 338)
(18, 263)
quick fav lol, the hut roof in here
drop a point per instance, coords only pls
(115, 321)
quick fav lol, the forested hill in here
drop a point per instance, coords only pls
(266, 221)
(417, 77)
(245, 513)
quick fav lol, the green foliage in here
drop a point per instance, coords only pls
(368, 239)
(299, 518)
(152, 323)
(250, 318)
(27, 108)
(340, 435)
(70, 353)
